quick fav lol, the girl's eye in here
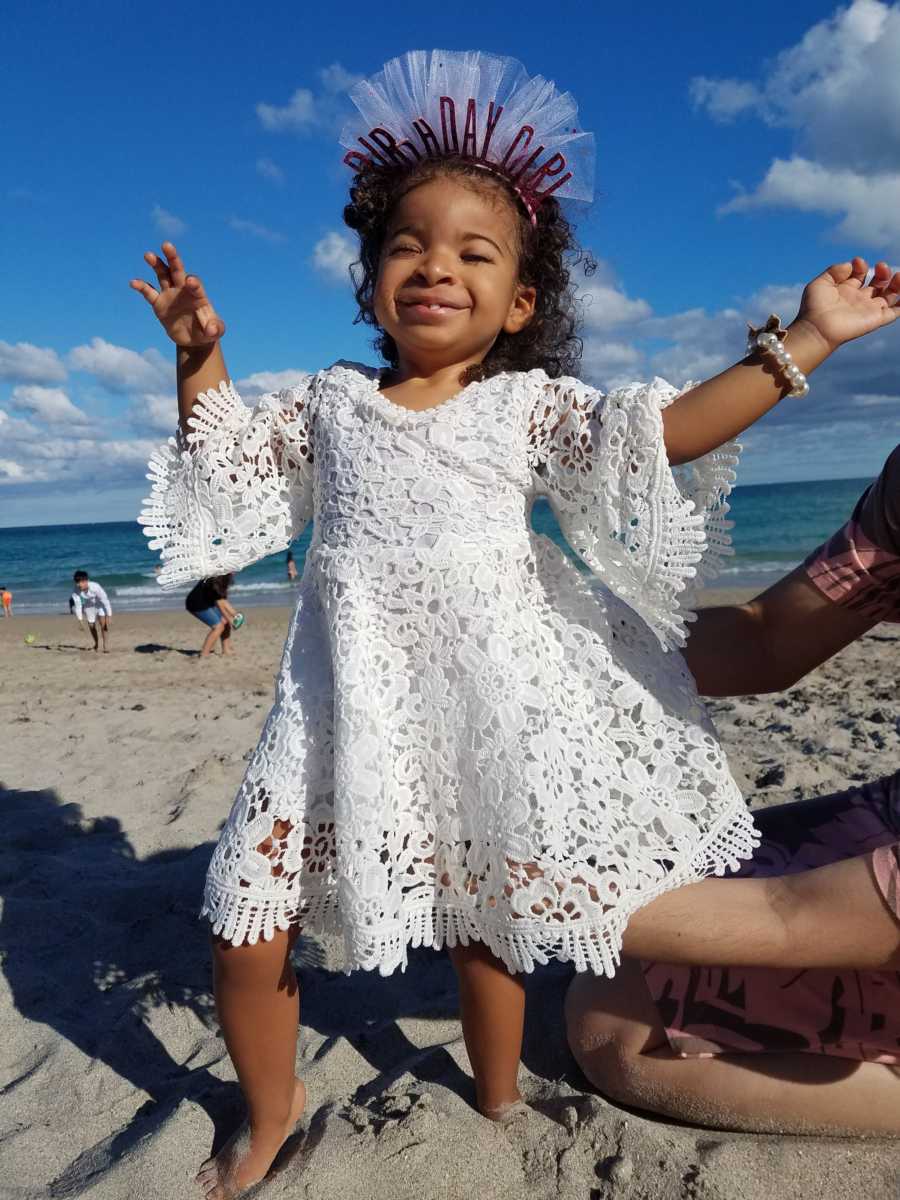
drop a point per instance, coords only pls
(474, 258)
(404, 250)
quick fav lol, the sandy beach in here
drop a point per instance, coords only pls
(117, 772)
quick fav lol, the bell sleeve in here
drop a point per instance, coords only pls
(651, 534)
(237, 487)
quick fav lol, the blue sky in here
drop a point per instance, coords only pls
(736, 158)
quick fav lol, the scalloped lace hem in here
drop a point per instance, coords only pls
(240, 915)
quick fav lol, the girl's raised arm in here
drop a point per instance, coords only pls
(836, 307)
(186, 313)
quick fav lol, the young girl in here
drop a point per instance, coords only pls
(473, 745)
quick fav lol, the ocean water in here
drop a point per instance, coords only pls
(776, 525)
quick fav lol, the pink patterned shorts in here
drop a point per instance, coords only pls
(757, 1010)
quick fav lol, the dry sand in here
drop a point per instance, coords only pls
(117, 773)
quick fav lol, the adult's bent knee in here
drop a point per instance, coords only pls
(597, 1035)
(610, 1024)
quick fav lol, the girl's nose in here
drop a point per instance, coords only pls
(435, 269)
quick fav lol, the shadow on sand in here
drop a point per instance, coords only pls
(95, 939)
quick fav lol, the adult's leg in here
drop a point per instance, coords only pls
(618, 1039)
(833, 916)
(226, 639)
(258, 1005)
(211, 638)
(492, 1004)
(92, 626)
(787, 908)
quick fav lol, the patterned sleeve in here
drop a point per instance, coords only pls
(651, 534)
(859, 565)
(237, 487)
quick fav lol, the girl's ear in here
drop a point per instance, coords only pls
(521, 310)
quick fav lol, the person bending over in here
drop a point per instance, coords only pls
(208, 602)
(89, 602)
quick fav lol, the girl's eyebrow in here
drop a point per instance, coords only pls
(482, 237)
(414, 231)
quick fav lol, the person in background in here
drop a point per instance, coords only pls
(291, 566)
(6, 598)
(89, 602)
(208, 602)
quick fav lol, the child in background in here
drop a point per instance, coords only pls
(7, 598)
(472, 745)
(89, 602)
(291, 566)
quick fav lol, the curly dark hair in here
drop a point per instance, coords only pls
(547, 252)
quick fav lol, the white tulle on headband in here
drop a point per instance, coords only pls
(482, 107)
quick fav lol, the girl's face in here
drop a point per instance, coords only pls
(448, 280)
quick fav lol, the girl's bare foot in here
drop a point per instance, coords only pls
(246, 1156)
(506, 1111)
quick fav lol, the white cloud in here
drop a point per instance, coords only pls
(306, 109)
(269, 170)
(723, 99)
(17, 428)
(838, 91)
(336, 78)
(51, 405)
(157, 411)
(333, 255)
(25, 363)
(298, 115)
(870, 203)
(122, 370)
(863, 400)
(261, 382)
(606, 306)
(255, 230)
(166, 222)
(11, 472)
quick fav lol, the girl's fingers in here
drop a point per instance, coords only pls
(176, 267)
(150, 294)
(195, 287)
(161, 269)
(203, 310)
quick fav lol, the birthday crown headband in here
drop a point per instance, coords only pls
(430, 104)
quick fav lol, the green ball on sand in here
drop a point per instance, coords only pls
(30, 639)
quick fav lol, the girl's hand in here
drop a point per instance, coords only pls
(180, 303)
(839, 306)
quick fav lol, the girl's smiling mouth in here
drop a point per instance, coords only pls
(429, 305)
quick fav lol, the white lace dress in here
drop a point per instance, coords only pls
(470, 737)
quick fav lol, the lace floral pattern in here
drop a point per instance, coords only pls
(470, 739)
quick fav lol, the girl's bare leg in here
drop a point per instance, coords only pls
(258, 1004)
(211, 638)
(617, 1037)
(493, 1018)
(92, 626)
(104, 629)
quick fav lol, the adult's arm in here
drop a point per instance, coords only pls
(769, 643)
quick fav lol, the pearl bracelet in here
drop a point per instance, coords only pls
(769, 339)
